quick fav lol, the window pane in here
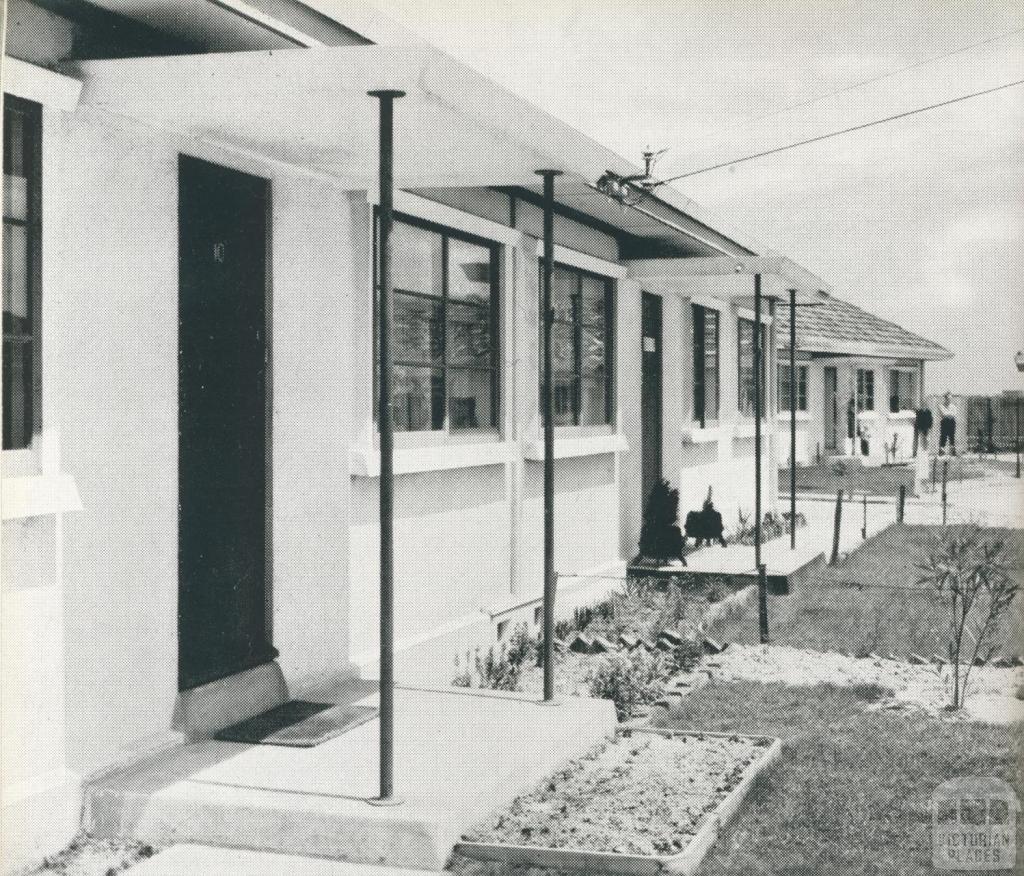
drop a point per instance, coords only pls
(593, 353)
(17, 298)
(564, 388)
(418, 395)
(593, 409)
(15, 197)
(14, 141)
(17, 395)
(469, 272)
(417, 329)
(416, 259)
(784, 387)
(563, 350)
(564, 291)
(469, 335)
(593, 300)
(470, 399)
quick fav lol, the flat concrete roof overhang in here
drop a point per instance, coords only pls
(308, 108)
(731, 278)
(824, 348)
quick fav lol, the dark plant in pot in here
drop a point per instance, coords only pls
(661, 540)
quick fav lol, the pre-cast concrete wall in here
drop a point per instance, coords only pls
(110, 377)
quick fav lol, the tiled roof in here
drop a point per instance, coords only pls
(836, 326)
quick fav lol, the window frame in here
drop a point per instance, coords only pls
(577, 325)
(740, 320)
(446, 233)
(801, 388)
(698, 317)
(865, 390)
(32, 113)
(895, 372)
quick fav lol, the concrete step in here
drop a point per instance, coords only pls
(193, 860)
(459, 755)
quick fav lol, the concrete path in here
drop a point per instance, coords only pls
(192, 860)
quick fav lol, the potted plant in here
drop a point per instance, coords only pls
(661, 540)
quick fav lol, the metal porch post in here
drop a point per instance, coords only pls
(547, 399)
(762, 582)
(387, 446)
(757, 420)
(792, 419)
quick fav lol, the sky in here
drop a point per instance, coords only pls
(920, 221)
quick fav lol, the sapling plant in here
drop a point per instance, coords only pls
(971, 578)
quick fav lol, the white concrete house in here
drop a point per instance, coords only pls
(190, 464)
(860, 379)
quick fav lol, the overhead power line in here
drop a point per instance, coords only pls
(831, 134)
(888, 75)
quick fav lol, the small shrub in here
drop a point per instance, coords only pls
(501, 671)
(629, 681)
(971, 578)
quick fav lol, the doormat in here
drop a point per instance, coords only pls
(297, 723)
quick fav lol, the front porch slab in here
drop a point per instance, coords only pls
(459, 755)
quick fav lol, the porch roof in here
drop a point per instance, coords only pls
(308, 108)
(844, 329)
(732, 277)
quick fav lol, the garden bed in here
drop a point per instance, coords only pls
(650, 801)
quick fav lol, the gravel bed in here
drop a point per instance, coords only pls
(644, 794)
(990, 698)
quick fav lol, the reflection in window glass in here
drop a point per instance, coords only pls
(580, 353)
(785, 391)
(445, 330)
(746, 369)
(865, 390)
(705, 365)
(21, 134)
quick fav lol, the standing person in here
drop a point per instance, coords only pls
(922, 426)
(947, 424)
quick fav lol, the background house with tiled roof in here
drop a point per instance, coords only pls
(860, 379)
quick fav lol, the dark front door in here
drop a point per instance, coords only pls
(222, 423)
(831, 412)
(650, 394)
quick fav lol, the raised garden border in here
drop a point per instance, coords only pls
(685, 863)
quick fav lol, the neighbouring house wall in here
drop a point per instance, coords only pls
(881, 425)
(720, 456)
(468, 525)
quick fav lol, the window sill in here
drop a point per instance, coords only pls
(568, 448)
(745, 429)
(365, 463)
(39, 495)
(707, 435)
(801, 416)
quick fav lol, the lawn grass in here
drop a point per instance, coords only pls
(822, 613)
(829, 477)
(886, 480)
(850, 794)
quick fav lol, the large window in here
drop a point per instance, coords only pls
(581, 348)
(785, 389)
(21, 353)
(865, 390)
(902, 390)
(445, 356)
(746, 369)
(705, 365)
